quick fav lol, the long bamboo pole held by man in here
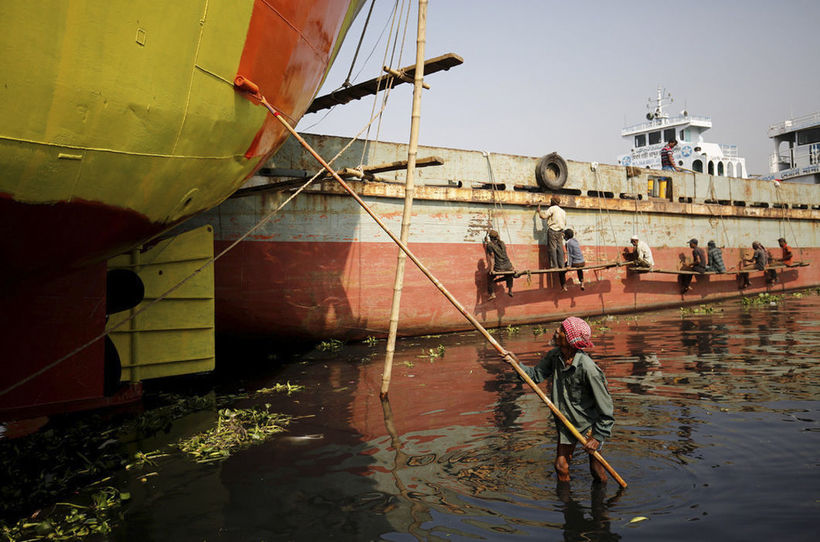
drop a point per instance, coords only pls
(248, 86)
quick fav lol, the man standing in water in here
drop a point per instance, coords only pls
(579, 390)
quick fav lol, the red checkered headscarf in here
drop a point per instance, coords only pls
(578, 333)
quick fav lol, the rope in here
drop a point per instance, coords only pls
(165, 294)
(608, 216)
(361, 39)
(713, 197)
(497, 204)
(372, 50)
(784, 217)
(388, 81)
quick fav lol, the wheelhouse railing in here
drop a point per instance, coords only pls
(797, 123)
(664, 123)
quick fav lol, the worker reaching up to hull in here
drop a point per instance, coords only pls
(500, 267)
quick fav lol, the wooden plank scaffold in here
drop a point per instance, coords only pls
(731, 271)
(526, 272)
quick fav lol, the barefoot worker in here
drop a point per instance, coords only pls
(499, 262)
(579, 390)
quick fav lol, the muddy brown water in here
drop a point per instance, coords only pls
(716, 433)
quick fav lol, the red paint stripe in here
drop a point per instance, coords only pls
(322, 290)
(56, 237)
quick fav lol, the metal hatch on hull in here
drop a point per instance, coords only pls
(175, 335)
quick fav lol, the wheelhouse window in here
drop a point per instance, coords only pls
(640, 140)
(669, 134)
(683, 135)
(805, 137)
(654, 138)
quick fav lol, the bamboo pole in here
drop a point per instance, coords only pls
(243, 84)
(409, 190)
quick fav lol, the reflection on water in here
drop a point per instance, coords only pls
(717, 435)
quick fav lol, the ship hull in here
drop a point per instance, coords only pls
(318, 290)
(120, 121)
(321, 268)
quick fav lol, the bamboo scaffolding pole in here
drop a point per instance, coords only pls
(409, 190)
(245, 85)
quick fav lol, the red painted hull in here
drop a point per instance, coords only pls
(52, 239)
(318, 290)
(70, 312)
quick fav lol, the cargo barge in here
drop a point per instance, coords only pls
(320, 268)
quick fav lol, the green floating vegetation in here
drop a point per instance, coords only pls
(808, 291)
(370, 341)
(76, 454)
(700, 309)
(435, 353)
(763, 298)
(538, 330)
(279, 388)
(69, 521)
(331, 345)
(145, 458)
(598, 325)
(512, 330)
(235, 429)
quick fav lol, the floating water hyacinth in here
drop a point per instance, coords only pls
(279, 388)
(235, 428)
(762, 298)
(69, 521)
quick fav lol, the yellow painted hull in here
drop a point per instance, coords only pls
(120, 119)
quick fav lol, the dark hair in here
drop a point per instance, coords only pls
(781, 240)
(671, 142)
(568, 233)
(493, 234)
(711, 244)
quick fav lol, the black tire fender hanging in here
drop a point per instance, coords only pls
(551, 171)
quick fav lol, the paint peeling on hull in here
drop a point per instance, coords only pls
(322, 268)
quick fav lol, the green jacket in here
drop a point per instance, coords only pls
(579, 391)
